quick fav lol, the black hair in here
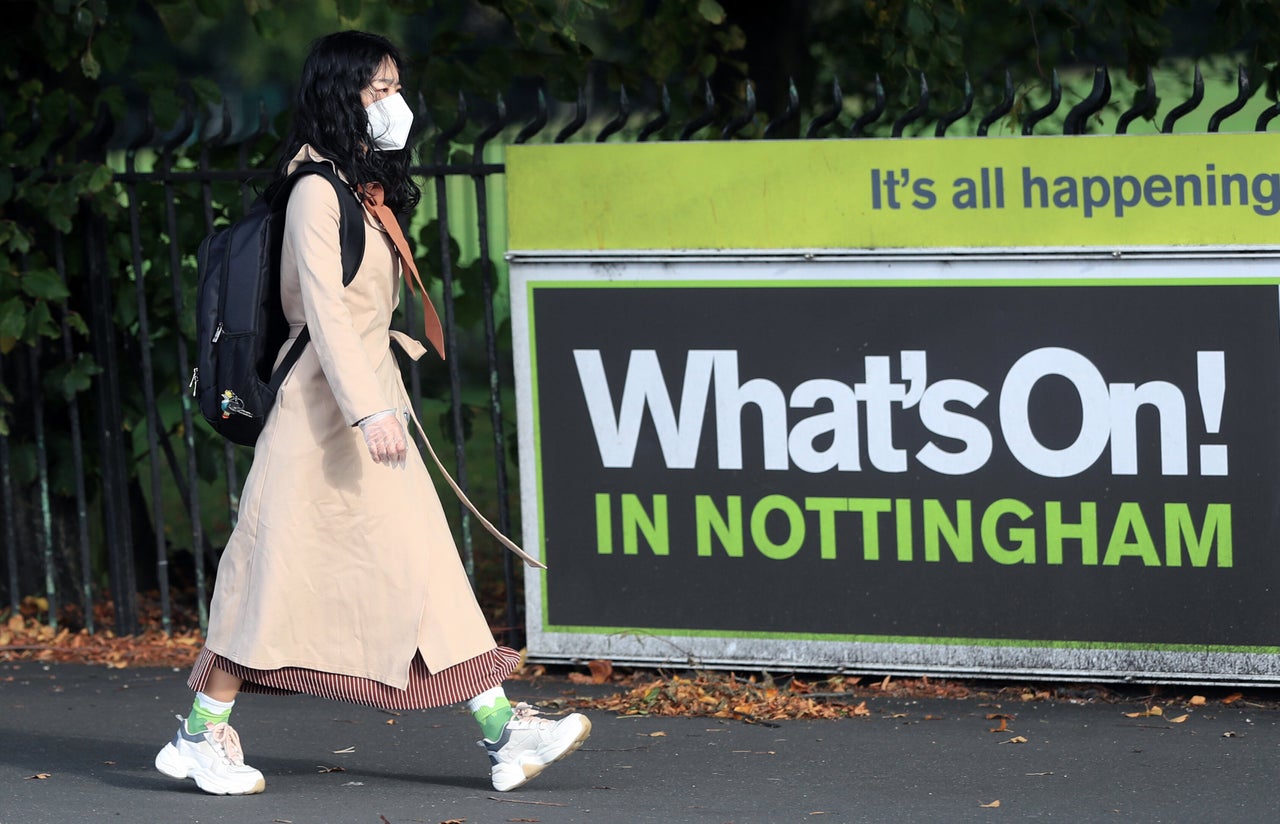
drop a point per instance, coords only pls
(330, 116)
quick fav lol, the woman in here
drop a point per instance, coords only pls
(341, 578)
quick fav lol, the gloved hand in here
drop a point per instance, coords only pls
(385, 437)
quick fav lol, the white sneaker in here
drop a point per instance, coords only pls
(213, 758)
(528, 744)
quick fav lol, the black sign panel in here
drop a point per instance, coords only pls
(1066, 463)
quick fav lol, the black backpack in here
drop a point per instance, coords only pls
(240, 323)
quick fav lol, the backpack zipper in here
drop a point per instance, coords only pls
(195, 380)
(217, 333)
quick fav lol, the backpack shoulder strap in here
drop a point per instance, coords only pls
(351, 230)
(351, 211)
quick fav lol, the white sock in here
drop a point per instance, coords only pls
(488, 698)
(212, 705)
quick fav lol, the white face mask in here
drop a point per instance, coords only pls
(389, 121)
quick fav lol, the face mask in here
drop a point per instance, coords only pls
(389, 121)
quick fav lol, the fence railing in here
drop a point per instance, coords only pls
(109, 486)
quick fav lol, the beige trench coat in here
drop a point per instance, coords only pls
(337, 563)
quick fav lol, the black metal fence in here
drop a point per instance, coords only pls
(110, 487)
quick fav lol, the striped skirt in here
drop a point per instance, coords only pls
(454, 685)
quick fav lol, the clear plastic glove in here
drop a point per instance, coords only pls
(385, 438)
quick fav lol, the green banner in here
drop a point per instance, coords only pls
(955, 193)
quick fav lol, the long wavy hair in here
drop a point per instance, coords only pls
(329, 115)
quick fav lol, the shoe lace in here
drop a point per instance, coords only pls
(524, 712)
(226, 741)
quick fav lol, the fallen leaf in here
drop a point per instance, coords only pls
(354, 784)
(993, 804)
(657, 735)
(38, 776)
(1228, 735)
(1179, 719)
(1004, 725)
(348, 749)
(1232, 698)
(600, 671)
(1198, 701)
(1017, 739)
(580, 678)
(390, 721)
(323, 769)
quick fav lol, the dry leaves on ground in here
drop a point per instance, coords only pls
(725, 695)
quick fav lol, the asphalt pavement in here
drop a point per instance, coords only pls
(77, 743)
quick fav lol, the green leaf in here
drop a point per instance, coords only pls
(217, 9)
(711, 11)
(89, 65)
(349, 10)
(76, 321)
(99, 179)
(206, 90)
(13, 318)
(40, 322)
(44, 283)
(83, 21)
(177, 17)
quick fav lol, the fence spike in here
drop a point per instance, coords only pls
(741, 121)
(247, 143)
(142, 138)
(1144, 105)
(539, 119)
(1002, 108)
(96, 140)
(867, 118)
(579, 117)
(1093, 102)
(1243, 93)
(703, 120)
(445, 137)
(422, 121)
(620, 119)
(914, 113)
(789, 113)
(69, 129)
(947, 118)
(224, 128)
(664, 114)
(1187, 106)
(1266, 117)
(491, 131)
(829, 116)
(185, 127)
(1036, 115)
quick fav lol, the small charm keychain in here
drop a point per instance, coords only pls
(231, 403)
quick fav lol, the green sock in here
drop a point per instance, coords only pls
(201, 716)
(493, 718)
